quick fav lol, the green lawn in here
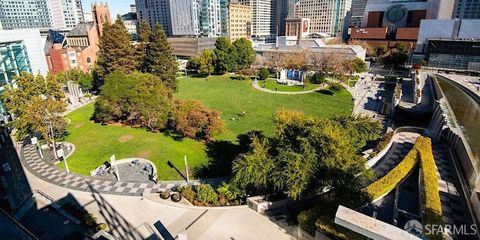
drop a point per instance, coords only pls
(273, 85)
(96, 143)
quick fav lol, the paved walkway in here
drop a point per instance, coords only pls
(53, 174)
(454, 205)
(256, 86)
(472, 83)
(403, 143)
(426, 103)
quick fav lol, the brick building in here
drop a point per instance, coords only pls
(79, 47)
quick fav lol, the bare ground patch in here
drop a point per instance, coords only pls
(78, 125)
(144, 154)
(125, 138)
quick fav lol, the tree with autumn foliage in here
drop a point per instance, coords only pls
(194, 120)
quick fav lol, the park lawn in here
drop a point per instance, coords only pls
(232, 97)
(273, 85)
(95, 143)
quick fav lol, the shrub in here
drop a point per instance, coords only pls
(102, 226)
(89, 219)
(392, 178)
(206, 194)
(263, 73)
(317, 78)
(230, 191)
(322, 217)
(382, 144)
(335, 87)
(433, 205)
(187, 193)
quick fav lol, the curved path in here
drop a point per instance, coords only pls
(52, 174)
(256, 86)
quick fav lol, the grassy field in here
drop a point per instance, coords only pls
(96, 143)
(273, 85)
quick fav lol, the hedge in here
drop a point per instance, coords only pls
(388, 182)
(421, 152)
(322, 217)
(433, 205)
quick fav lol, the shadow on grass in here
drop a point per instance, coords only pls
(220, 158)
(221, 155)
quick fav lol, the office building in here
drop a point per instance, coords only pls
(453, 54)
(238, 21)
(130, 22)
(299, 27)
(467, 9)
(185, 47)
(449, 44)
(210, 15)
(281, 15)
(263, 20)
(356, 13)
(21, 50)
(133, 8)
(224, 18)
(154, 11)
(326, 16)
(25, 14)
(386, 24)
(185, 17)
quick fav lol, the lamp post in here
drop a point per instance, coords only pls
(113, 163)
(186, 166)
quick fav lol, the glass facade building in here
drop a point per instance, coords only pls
(454, 54)
(13, 61)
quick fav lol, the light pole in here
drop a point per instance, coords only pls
(34, 141)
(113, 163)
(186, 166)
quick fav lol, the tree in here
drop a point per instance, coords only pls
(38, 106)
(358, 65)
(137, 99)
(84, 80)
(380, 50)
(295, 61)
(159, 59)
(253, 169)
(224, 60)
(193, 64)
(194, 120)
(116, 52)
(317, 78)
(206, 62)
(144, 33)
(263, 73)
(306, 156)
(243, 52)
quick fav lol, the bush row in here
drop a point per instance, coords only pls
(382, 144)
(205, 195)
(392, 178)
(433, 205)
(322, 217)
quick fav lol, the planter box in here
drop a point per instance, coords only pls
(259, 204)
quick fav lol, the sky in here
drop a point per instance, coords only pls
(116, 6)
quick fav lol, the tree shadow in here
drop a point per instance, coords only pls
(220, 154)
